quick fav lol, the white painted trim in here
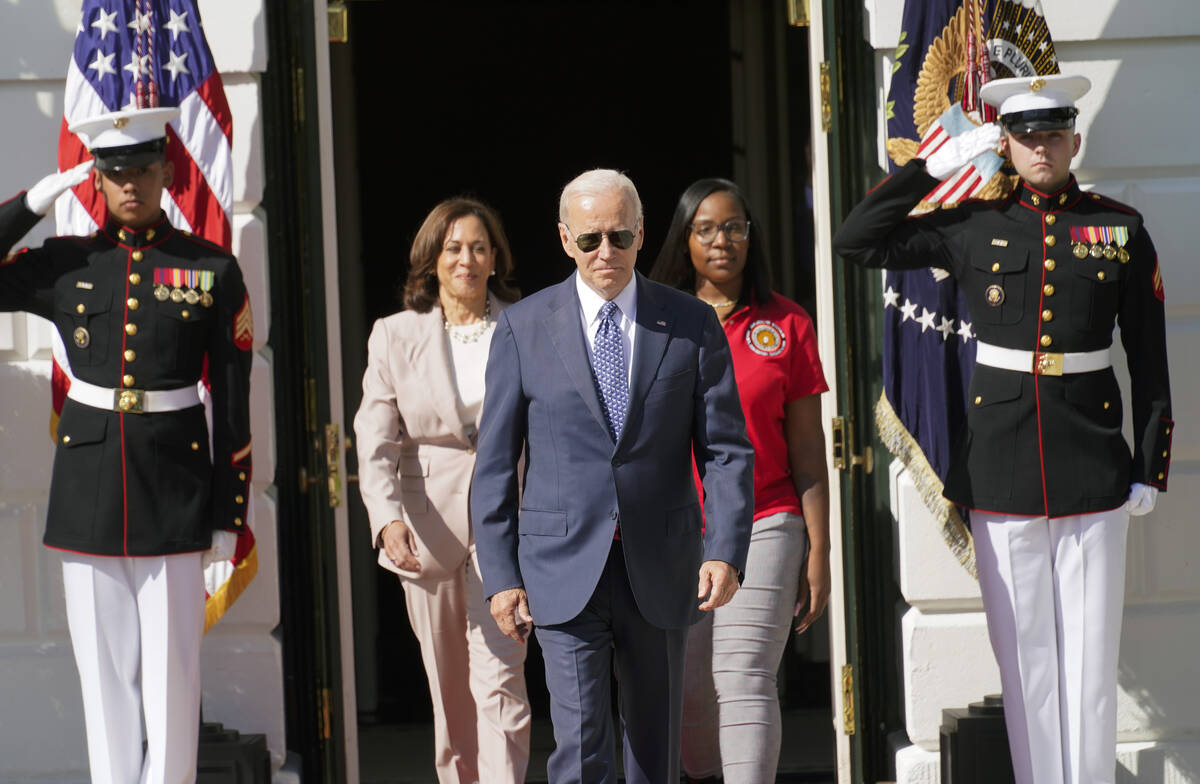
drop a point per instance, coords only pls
(822, 229)
(333, 343)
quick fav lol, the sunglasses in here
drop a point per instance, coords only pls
(736, 230)
(591, 240)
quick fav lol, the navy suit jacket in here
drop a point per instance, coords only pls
(554, 537)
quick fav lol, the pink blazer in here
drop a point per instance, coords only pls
(415, 453)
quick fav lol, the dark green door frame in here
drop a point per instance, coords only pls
(307, 568)
(871, 584)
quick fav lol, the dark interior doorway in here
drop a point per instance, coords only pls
(507, 102)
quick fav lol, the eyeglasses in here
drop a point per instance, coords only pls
(736, 230)
(591, 240)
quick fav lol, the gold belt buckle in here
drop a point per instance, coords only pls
(1047, 364)
(129, 401)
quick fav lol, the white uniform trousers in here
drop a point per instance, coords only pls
(135, 626)
(1053, 592)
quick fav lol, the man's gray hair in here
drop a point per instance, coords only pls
(595, 183)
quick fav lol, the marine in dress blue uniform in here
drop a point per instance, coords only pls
(1041, 462)
(144, 311)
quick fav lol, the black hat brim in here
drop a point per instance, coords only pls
(1059, 118)
(132, 156)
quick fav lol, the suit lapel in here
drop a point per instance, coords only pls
(436, 368)
(565, 329)
(654, 332)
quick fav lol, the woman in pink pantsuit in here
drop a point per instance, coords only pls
(416, 425)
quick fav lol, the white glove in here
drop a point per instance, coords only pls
(39, 198)
(962, 149)
(1141, 499)
(224, 544)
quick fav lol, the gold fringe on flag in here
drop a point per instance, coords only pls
(231, 589)
(900, 442)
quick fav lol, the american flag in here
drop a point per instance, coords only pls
(141, 54)
(948, 49)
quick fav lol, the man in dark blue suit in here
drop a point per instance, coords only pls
(610, 384)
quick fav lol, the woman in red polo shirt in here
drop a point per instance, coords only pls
(731, 721)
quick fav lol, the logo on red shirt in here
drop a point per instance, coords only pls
(766, 338)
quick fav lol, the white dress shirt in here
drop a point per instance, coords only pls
(468, 361)
(589, 311)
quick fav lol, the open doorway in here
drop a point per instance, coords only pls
(506, 102)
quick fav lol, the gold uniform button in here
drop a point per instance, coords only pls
(185, 313)
(237, 521)
(1050, 240)
(66, 439)
(237, 499)
(136, 255)
(80, 308)
(1100, 275)
(1046, 340)
(131, 329)
(995, 266)
(149, 234)
(1160, 476)
(127, 380)
(1049, 264)
(1164, 453)
(130, 355)
(1107, 405)
(978, 399)
(242, 475)
(1050, 220)
(195, 446)
(1048, 289)
(135, 278)
(1047, 315)
(1168, 431)
(132, 303)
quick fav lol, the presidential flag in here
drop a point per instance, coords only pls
(948, 49)
(142, 54)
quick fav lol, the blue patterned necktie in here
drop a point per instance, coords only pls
(608, 367)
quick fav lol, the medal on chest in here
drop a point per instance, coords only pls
(1100, 242)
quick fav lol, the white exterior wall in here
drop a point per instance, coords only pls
(41, 720)
(1140, 147)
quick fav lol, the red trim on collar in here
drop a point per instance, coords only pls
(112, 230)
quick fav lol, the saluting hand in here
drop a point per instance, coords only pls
(401, 546)
(718, 581)
(42, 195)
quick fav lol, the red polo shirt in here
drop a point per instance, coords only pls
(775, 361)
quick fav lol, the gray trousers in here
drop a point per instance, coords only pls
(731, 721)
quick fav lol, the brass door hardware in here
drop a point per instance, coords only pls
(843, 444)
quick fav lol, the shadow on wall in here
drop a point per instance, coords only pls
(1159, 173)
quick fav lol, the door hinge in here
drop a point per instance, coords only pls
(339, 22)
(798, 13)
(332, 472)
(325, 714)
(848, 699)
(844, 458)
(826, 100)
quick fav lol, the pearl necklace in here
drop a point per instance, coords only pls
(726, 304)
(472, 333)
